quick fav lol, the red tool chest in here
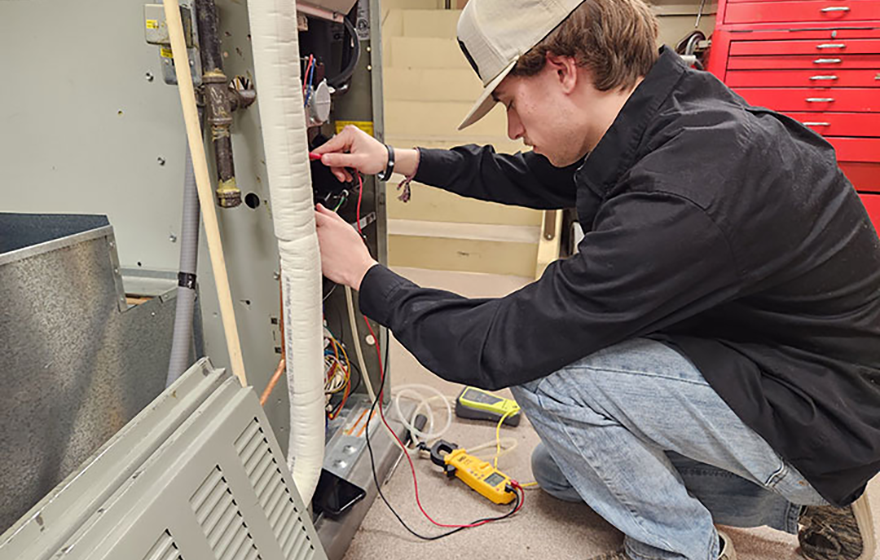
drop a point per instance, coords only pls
(817, 61)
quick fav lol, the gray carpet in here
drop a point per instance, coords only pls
(545, 527)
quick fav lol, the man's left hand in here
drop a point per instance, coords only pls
(344, 257)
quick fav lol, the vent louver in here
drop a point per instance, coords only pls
(272, 492)
(218, 514)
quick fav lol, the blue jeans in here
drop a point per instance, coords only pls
(637, 433)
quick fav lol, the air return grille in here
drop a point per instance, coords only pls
(218, 514)
(272, 492)
(164, 549)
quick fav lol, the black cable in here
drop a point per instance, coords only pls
(379, 486)
(357, 385)
(345, 74)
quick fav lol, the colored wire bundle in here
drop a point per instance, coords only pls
(308, 77)
(338, 375)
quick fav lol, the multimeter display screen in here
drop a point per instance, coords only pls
(493, 479)
(477, 396)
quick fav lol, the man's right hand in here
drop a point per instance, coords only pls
(355, 149)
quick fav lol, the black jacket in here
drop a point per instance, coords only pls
(725, 231)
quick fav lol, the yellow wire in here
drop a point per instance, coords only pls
(529, 484)
(346, 368)
(498, 434)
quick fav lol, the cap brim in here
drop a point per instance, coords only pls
(485, 102)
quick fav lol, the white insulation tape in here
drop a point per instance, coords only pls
(276, 63)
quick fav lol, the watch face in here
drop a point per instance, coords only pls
(494, 479)
(480, 397)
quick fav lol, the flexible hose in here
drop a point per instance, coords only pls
(273, 26)
(181, 340)
(352, 321)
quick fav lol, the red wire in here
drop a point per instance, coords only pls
(412, 467)
(360, 198)
(306, 75)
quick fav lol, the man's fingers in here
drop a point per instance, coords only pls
(323, 210)
(340, 160)
(338, 143)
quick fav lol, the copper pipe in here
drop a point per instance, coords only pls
(281, 363)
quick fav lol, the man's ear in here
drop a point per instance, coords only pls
(565, 69)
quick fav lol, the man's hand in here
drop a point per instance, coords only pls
(344, 257)
(353, 148)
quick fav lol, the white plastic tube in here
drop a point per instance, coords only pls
(276, 63)
(413, 391)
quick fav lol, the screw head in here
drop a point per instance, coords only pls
(160, 160)
(172, 238)
(149, 76)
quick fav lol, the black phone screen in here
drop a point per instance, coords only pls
(335, 495)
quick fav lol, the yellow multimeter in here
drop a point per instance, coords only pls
(476, 473)
(477, 404)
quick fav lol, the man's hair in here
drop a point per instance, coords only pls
(615, 39)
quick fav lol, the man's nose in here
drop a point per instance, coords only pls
(514, 126)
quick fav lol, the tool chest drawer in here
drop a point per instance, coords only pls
(819, 32)
(816, 61)
(853, 100)
(801, 11)
(841, 124)
(804, 78)
(863, 176)
(795, 62)
(864, 150)
(817, 47)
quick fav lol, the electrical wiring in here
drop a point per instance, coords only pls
(519, 501)
(498, 434)
(349, 300)
(376, 400)
(339, 377)
(306, 79)
(339, 80)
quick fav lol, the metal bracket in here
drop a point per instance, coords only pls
(156, 33)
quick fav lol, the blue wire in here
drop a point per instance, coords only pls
(310, 81)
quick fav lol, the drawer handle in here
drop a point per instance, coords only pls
(817, 124)
(820, 99)
(831, 46)
(827, 61)
(835, 9)
(830, 77)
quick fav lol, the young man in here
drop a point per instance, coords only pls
(712, 353)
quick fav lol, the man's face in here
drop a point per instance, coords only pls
(557, 111)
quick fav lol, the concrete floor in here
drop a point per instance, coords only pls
(545, 526)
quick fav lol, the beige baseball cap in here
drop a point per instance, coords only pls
(493, 34)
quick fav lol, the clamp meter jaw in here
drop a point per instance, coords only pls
(476, 473)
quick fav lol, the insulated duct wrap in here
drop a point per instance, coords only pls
(276, 63)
